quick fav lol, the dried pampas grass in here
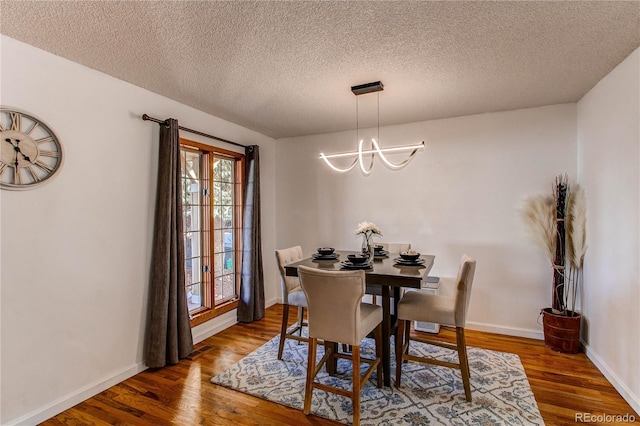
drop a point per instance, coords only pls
(557, 225)
(577, 227)
(539, 213)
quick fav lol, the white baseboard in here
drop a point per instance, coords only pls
(215, 326)
(632, 399)
(211, 328)
(67, 401)
(509, 331)
(43, 413)
(621, 387)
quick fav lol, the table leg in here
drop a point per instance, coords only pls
(386, 332)
(332, 362)
(394, 317)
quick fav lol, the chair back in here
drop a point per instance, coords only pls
(333, 300)
(464, 281)
(286, 256)
(396, 247)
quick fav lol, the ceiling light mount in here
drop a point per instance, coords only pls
(375, 148)
(363, 89)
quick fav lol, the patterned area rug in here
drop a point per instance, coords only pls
(429, 395)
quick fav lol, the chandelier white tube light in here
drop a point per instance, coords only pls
(376, 150)
(375, 147)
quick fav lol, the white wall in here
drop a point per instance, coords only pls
(76, 251)
(462, 194)
(608, 168)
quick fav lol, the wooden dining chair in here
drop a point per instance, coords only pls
(428, 307)
(337, 314)
(292, 295)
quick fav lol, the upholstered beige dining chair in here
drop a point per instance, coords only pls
(292, 295)
(337, 315)
(395, 247)
(448, 311)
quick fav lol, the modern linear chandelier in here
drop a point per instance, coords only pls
(375, 147)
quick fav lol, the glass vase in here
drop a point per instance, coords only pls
(367, 245)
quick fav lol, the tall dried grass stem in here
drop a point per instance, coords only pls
(539, 213)
(577, 227)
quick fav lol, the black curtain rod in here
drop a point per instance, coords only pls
(145, 117)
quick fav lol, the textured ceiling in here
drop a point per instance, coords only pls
(286, 68)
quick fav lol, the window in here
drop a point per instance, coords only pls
(212, 224)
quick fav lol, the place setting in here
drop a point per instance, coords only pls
(357, 261)
(379, 251)
(325, 253)
(409, 258)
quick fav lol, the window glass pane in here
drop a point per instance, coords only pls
(229, 243)
(192, 211)
(197, 271)
(226, 194)
(183, 163)
(225, 184)
(218, 259)
(193, 165)
(194, 296)
(218, 289)
(228, 287)
(217, 193)
(218, 241)
(223, 169)
(227, 216)
(191, 218)
(217, 217)
(228, 261)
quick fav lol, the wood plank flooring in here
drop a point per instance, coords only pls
(182, 394)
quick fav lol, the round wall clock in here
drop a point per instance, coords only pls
(31, 151)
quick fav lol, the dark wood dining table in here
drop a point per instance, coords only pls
(386, 279)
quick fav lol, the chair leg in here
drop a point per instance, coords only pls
(300, 321)
(355, 391)
(400, 334)
(283, 329)
(378, 338)
(311, 367)
(407, 334)
(464, 361)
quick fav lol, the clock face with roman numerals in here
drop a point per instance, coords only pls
(31, 151)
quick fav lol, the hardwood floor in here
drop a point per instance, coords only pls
(182, 394)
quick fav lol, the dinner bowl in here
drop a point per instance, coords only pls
(358, 258)
(325, 251)
(409, 255)
(378, 247)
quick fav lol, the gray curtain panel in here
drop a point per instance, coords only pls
(168, 332)
(251, 305)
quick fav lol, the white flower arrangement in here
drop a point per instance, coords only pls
(368, 229)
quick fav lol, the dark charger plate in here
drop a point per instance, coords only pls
(348, 265)
(318, 256)
(401, 261)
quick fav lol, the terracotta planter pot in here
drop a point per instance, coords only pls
(561, 333)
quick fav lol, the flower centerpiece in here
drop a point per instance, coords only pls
(368, 230)
(557, 225)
